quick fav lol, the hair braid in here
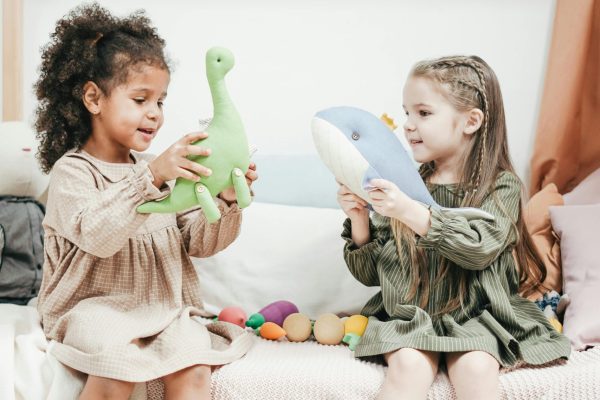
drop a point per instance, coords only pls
(468, 82)
(482, 91)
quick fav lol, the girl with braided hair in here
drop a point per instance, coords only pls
(450, 287)
(120, 296)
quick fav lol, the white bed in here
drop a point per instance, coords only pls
(271, 370)
(289, 251)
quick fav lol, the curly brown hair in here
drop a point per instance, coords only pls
(88, 44)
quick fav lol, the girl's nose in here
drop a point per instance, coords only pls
(153, 113)
(408, 125)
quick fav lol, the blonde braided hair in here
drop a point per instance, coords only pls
(469, 83)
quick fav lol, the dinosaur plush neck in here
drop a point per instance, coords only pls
(230, 156)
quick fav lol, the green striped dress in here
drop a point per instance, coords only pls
(495, 319)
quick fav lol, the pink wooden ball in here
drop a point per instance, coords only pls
(234, 315)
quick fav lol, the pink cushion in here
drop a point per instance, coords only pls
(578, 228)
(586, 192)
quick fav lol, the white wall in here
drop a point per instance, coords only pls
(295, 58)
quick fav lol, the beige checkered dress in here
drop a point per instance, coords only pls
(495, 320)
(119, 291)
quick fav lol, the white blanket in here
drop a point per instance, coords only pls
(270, 370)
(27, 370)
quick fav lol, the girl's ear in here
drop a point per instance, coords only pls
(474, 121)
(91, 97)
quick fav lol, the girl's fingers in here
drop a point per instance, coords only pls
(184, 173)
(194, 136)
(381, 184)
(199, 169)
(193, 150)
(343, 189)
(356, 206)
(377, 195)
(251, 175)
(354, 198)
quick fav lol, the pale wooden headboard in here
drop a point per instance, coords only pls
(12, 60)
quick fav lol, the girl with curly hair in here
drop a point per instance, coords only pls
(119, 292)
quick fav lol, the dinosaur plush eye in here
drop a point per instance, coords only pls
(355, 135)
(218, 60)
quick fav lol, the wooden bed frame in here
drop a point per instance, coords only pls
(12, 60)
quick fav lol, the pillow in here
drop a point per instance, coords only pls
(577, 228)
(284, 253)
(586, 192)
(537, 220)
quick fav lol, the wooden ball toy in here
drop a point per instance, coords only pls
(234, 315)
(329, 329)
(298, 327)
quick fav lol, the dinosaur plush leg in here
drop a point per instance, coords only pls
(205, 200)
(242, 191)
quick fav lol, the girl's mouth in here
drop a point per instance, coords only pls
(147, 133)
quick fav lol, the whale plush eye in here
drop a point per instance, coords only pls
(355, 135)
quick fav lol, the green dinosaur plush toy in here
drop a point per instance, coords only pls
(229, 159)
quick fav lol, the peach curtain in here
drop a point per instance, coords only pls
(567, 143)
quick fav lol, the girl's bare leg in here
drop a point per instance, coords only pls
(189, 383)
(410, 374)
(474, 375)
(104, 388)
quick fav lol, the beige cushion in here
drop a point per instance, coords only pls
(537, 221)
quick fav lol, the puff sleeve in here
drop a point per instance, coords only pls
(99, 221)
(202, 239)
(362, 261)
(474, 244)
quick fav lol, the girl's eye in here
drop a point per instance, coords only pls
(139, 101)
(161, 104)
(423, 113)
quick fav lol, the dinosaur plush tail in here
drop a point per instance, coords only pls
(181, 198)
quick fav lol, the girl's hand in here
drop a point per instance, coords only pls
(387, 199)
(229, 194)
(352, 205)
(173, 162)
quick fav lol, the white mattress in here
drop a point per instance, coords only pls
(272, 370)
(284, 370)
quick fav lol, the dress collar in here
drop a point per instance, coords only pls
(114, 172)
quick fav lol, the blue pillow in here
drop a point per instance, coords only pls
(295, 179)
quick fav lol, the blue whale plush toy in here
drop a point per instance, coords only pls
(357, 147)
